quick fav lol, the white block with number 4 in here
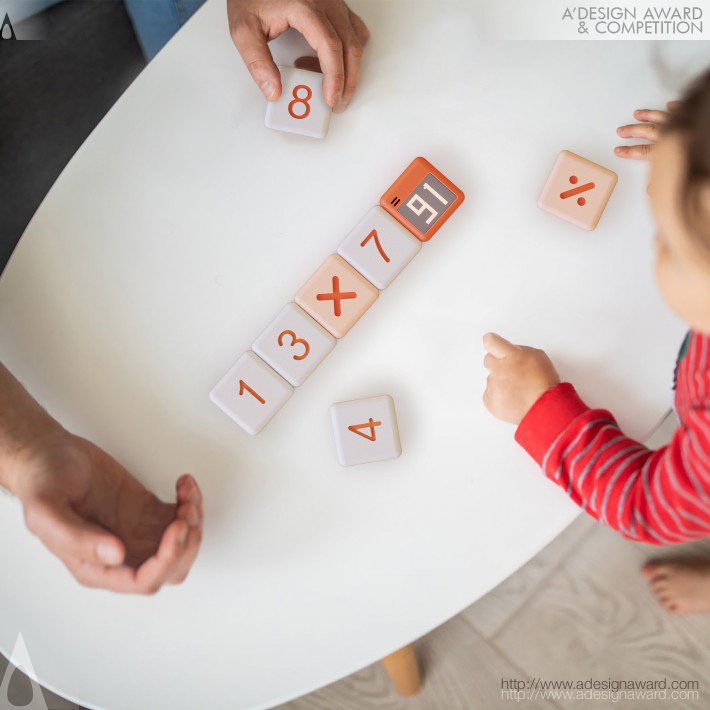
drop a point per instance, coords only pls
(365, 430)
(294, 344)
(251, 393)
(379, 247)
(301, 107)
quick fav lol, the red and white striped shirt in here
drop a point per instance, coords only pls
(661, 497)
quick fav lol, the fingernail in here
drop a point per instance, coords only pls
(183, 535)
(340, 106)
(268, 89)
(108, 553)
(618, 149)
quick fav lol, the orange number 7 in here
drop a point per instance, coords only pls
(244, 386)
(373, 235)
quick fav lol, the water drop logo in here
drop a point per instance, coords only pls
(6, 31)
(20, 659)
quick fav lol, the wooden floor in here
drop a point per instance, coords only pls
(578, 610)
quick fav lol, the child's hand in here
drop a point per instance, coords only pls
(518, 377)
(648, 129)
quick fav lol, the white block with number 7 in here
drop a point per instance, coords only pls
(379, 247)
(293, 344)
(251, 393)
(365, 430)
(301, 107)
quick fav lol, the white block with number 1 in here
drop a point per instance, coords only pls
(379, 247)
(301, 107)
(251, 393)
(365, 430)
(293, 344)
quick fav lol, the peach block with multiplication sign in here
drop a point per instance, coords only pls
(336, 296)
(577, 190)
(422, 199)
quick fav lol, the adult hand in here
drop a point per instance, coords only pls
(518, 377)
(105, 526)
(336, 33)
(648, 129)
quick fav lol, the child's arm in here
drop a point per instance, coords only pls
(661, 497)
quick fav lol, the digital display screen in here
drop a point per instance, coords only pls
(427, 203)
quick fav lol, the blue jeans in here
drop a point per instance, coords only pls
(156, 21)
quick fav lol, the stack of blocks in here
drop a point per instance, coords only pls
(329, 304)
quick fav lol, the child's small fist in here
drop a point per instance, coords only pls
(518, 377)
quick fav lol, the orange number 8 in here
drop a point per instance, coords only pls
(295, 341)
(300, 100)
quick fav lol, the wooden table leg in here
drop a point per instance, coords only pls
(403, 670)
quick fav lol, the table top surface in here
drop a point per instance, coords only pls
(183, 225)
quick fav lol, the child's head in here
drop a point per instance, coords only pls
(680, 196)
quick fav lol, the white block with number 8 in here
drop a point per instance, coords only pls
(294, 344)
(251, 393)
(365, 430)
(301, 107)
(379, 247)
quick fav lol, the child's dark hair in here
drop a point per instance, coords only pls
(691, 120)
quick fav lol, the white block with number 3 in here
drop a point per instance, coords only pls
(251, 393)
(379, 247)
(365, 430)
(301, 107)
(294, 344)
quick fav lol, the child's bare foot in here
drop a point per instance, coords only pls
(681, 586)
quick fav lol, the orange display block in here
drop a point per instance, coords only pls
(336, 296)
(577, 190)
(422, 199)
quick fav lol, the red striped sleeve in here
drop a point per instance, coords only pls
(660, 497)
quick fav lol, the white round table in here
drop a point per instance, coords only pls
(183, 225)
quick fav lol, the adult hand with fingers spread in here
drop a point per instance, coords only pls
(519, 375)
(87, 509)
(648, 129)
(336, 33)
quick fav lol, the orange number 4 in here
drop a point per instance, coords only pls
(244, 386)
(371, 424)
(373, 235)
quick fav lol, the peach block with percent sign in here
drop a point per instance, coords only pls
(577, 190)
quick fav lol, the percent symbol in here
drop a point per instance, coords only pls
(576, 190)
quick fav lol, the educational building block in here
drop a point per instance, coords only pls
(293, 344)
(379, 248)
(365, 430)
(336, 295)
(301, 107)
(422, 199)
(577, 190)
(251, 393)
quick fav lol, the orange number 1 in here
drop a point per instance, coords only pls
(244, 386)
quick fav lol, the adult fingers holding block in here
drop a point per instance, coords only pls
(519, 375)
(336, 33)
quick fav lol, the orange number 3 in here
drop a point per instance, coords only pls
(300, 100)
(295, 341)
(244, 386)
